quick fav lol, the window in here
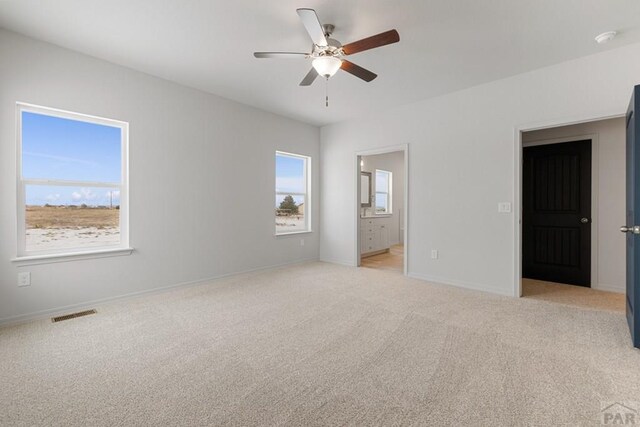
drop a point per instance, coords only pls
(383, 191)
(292, 210)
(72, 182)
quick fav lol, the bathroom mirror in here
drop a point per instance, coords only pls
(365, 189)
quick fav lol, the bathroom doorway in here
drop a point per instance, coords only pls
(381, 228)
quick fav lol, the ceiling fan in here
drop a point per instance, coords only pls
(327, 53)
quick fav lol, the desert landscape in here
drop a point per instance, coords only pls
(291, 223)
(71, 226)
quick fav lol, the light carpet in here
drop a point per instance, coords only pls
(319, 344)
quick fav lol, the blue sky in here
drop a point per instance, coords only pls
(289, 177)
(64, 149)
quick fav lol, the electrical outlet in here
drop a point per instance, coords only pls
(301, 242)
(24, 279)
(504, 207)
(434, 254)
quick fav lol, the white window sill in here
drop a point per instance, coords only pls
(71, 256)
(293, 233)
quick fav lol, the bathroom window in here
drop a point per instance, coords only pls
(383, 192)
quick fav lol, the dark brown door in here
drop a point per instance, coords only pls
(556, 217)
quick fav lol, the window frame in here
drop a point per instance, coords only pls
(21, 184)
(306, 195)
(389, 193)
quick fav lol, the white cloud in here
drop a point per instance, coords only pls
(84, 195)
(60, 158)
(114, 193)
(53, 197)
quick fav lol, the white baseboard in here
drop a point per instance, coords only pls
(37, 315)
(338, 261)
(609, 288)
(439, 280)
(461, 284)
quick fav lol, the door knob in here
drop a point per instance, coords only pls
(584, 220)
(634, 229)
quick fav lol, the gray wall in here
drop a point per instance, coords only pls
(463, 161)
(608, 209)
(201, 179)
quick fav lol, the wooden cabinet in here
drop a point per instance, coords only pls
(374, 235)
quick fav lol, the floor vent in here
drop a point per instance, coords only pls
(72, 315)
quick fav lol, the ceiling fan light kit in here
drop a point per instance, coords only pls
(326, 66)
(327, 53)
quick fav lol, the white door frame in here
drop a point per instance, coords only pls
(384, 150)
(517, 189)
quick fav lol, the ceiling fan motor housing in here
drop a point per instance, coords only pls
(333, 48)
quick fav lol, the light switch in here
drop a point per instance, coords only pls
(504, 207)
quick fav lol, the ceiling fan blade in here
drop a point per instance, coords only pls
(358, 71)
(312, 24)
(280, 55)
(378, 40)
(309, 78)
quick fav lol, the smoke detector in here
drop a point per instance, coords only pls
(605, 37)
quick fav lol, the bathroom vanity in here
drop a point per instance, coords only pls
(374, 234)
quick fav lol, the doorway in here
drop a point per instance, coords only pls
(381, 209)
(572, 200)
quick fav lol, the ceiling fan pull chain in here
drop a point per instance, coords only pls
(326, 92)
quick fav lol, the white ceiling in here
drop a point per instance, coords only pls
(445, 45)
